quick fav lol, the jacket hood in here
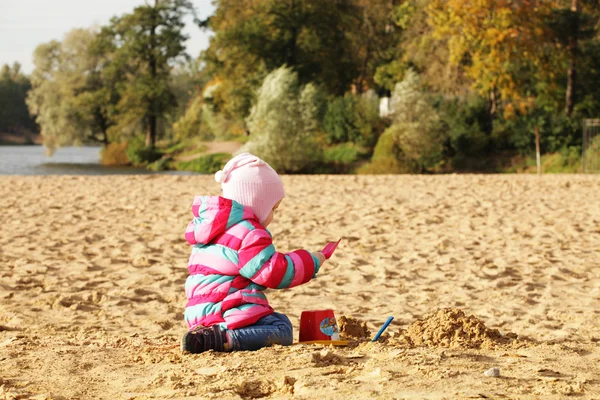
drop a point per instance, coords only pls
(213, 215)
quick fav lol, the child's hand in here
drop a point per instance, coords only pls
(320, 256)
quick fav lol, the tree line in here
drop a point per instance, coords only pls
(466, 83)
(14, 86)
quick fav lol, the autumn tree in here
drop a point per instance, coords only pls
(572, 48)
(500, 45)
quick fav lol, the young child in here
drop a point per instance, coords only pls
(233, 260)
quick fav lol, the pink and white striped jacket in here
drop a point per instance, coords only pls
(233, 260)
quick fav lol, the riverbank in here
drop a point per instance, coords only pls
(209, 157)
(93, 296)
(188, 156)
(25, 138)
(33, 160)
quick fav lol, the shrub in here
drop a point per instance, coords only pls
(284, 122)
(417, 129)
(345, 153)
(353, 119)
(342, 158)
(218, 125)
(162, 164)
(191, 124)
(338, 122)
(370, 125)
(557, 131)
(468, 128)
(114, 154)
(140, 154)
(387, 75)
(385, 158)
(567, 160)
(204, 120)
(385, 166)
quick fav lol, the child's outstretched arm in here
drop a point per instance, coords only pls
(259, 262)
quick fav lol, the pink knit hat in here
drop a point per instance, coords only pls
(251, 182)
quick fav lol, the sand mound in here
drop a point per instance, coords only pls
(352, 328)
(257, 389)
(450, 327)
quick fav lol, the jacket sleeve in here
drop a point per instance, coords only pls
(259, 262)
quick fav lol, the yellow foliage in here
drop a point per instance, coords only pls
(509, 111)
(114, 154)
(495, 36)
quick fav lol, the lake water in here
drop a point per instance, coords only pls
(32, 160)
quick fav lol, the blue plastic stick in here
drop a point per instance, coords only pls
(383, 328)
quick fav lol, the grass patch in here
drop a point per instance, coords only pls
(566, 161)
(206, 164)
(343, 158)
(163, 164)
(382, 166)
(174, 148)
(190, 150)
(243, 139)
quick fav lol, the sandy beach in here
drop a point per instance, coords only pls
(92, 272)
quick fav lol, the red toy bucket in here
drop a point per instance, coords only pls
(318, 325)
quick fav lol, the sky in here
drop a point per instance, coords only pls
(24, 24)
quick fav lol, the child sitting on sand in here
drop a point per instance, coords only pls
(233, 260)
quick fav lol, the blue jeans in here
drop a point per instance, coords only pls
(269, 330)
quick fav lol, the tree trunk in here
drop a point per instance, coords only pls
(293, 56)
(363, 73)
(572, 48)
(103, 123)
(104, 137)
(152, 112)
(538, 155)
(492, 107)
(293, 60)
(151, 131)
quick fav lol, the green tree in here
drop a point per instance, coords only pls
(284, 121)
(73, 92)
(339, 119)
(202, 119)
(417, 48)
(376, 43)
(255, 37)
(185, 82)
(353, 118)
(146, 43)
(195, 123)
(14, 116)
(574, 26)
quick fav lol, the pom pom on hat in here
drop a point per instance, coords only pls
(220, 176)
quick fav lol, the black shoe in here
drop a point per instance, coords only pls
(202, 339)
